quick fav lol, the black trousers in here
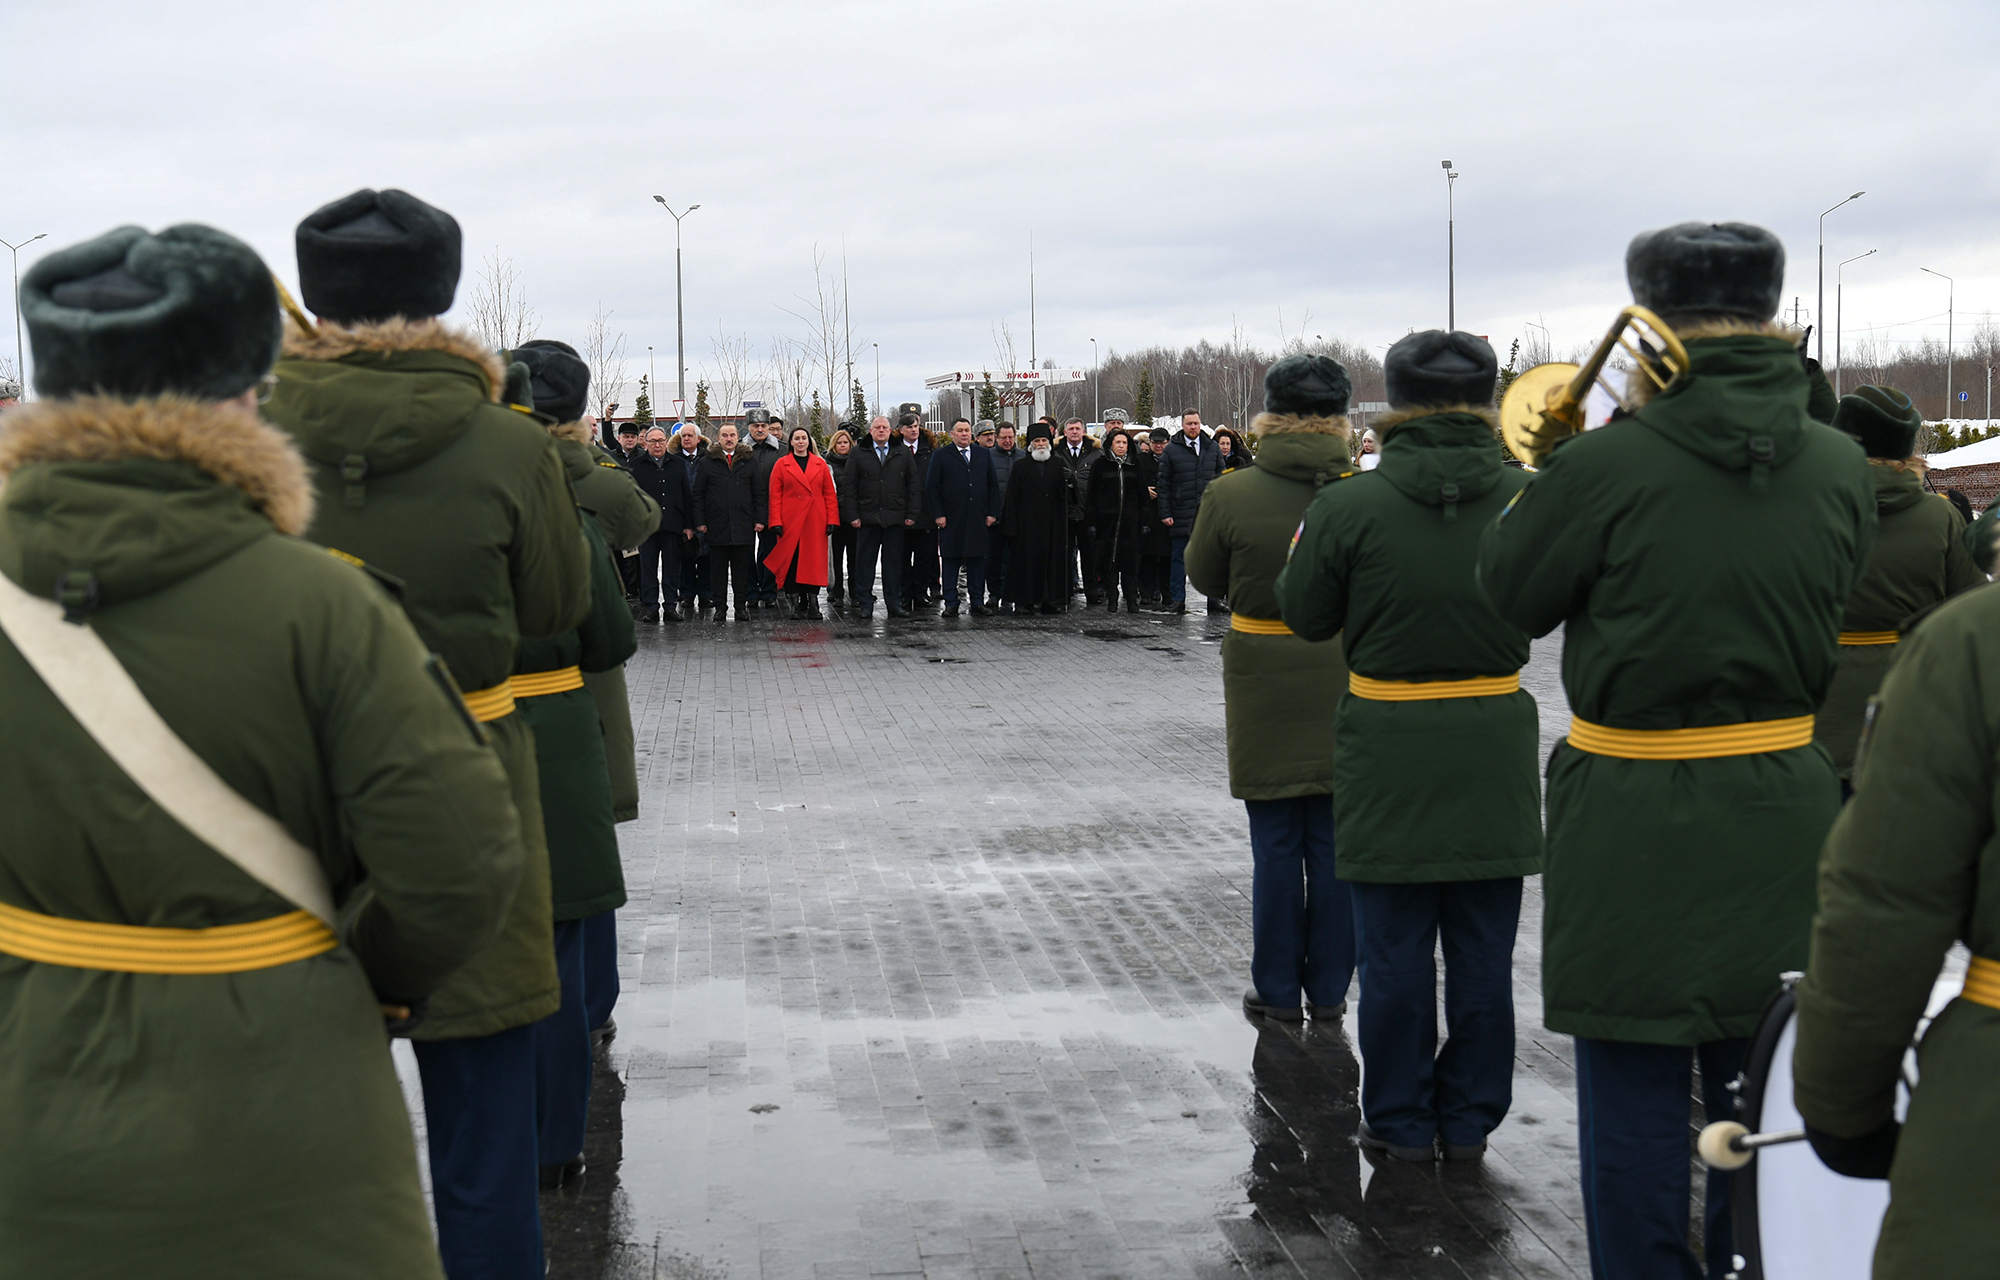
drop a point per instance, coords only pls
(1112, 562)
(975, 578)
(920, 558)
(839, 562)
(695, 572)
(766, 589)
(996, 563)
(628, 573)
(725, 563)
(1082, 559)
(872, 543)
(659, 569)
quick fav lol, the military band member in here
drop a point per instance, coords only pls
(1699, 555)
(1905, 874)
(195, 1079)
(1436, 794)
(422, 472)
(1919, 558)
(1280, 694)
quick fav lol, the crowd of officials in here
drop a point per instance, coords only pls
(975, 520)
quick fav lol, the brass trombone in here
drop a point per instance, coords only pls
(1545, 404)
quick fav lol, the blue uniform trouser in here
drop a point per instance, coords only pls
(562, 1057)
(1632, 1132)
(479, 1109)
(1177, 564)
(975, 578)
(600, 967)
(1411, 1093)
(1301, 917)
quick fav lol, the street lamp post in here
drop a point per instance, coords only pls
(878, 379)
(1950, 315)
(652, 382)
(680, 324)
(1096, 401)
(1837, 362)
(20, 365)
(1450, 249)
(1819, 311)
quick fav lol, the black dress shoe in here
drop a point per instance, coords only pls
(1173, 608)
(1216, 606)
(1371, 1141)
(742, 614)
(1464, 1151)
(1326, 1012)
(600, 1036)
(950, 611)
(899, 612)
(1256, 1008)
(981, 611)
(555, 1175)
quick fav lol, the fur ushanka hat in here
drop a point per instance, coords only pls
(1702, 268)
(191, 310)
(559, 377)
(1439, 368)
(1308, 387)
(377, 254)
(1882, 418)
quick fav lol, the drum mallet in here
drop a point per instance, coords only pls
(1729, 1145)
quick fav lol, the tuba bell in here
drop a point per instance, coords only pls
(1544, 406)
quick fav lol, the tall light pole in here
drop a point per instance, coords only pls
(1837, 363)
(1450, 249)
(20, 366)
(652, 382)
(878, 380)
(1096, 401)
(680, 324)
(1951, 290)
(1819, 311)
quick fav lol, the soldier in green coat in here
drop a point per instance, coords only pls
(1699, 554)
(167, 1114)
(423, 472)
(1280, 693)
(1903, 876)
(1435, 786)
(1919, 558)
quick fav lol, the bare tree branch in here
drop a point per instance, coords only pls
(498, 307)
(605, 354)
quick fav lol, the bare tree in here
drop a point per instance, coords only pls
(605, 354)
(499, 308)
(823, 348)
(737, 377)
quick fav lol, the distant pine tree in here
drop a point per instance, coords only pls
(1142, 400)
(858, 408)
(989, 404)
(818, 417)
(701, 405)
(642, 409)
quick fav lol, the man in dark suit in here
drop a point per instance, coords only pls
(666, 479)
(1188, 463)
(765, 449)
(920, 551)
(882, 498)
(689, 448)
(725, 497)
(962, 493)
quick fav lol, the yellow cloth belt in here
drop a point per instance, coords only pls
(1423, 690)
(130, 948)
(1870, 637)
(537, 683)
(1753, 738)
(1258, 626)
(1982, 982)
(491, 704)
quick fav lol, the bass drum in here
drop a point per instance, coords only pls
(1796, 1219)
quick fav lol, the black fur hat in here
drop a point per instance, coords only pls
(377, 254)
(1040, 431)
(1701, 268)
(191, 310)
(1308, 386)
(1439, 368)
(560, 378)
(1882, 419)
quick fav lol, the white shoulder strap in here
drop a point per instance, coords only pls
(90, 681)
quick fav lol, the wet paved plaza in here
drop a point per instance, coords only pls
(932, 964)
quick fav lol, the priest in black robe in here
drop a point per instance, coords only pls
(1035, 520)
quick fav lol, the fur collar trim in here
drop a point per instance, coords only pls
(228, 442)
(1279, 424)
(332, 341)
(1388, 422)
(572, 431)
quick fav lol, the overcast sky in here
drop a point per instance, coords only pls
(1183, 167)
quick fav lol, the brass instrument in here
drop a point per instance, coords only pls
(293, 309)
(1545, 404)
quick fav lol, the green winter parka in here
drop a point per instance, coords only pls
(1919, 559)
(421, 472)
(1438, 788)
(179, 1126)
(1698, 555)
(628, 515)
(1279, 692)
(1912, 865)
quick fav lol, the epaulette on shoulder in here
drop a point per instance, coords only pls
(390, 582)
(606, 462)
(1323, 479)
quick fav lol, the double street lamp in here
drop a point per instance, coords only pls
(680, 323)
(1839, 365)
(1819, 312)
(1450, 249)
(1950, 314)
(20, 367)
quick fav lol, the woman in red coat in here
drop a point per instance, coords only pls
(803, 507)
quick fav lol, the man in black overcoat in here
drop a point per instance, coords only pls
(962, 494)
(881, 501)
(1035, 517)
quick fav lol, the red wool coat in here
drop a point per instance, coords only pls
(803, 504)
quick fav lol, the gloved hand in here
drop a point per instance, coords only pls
(832, 529)
(1868, 1156)
(775, 530)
